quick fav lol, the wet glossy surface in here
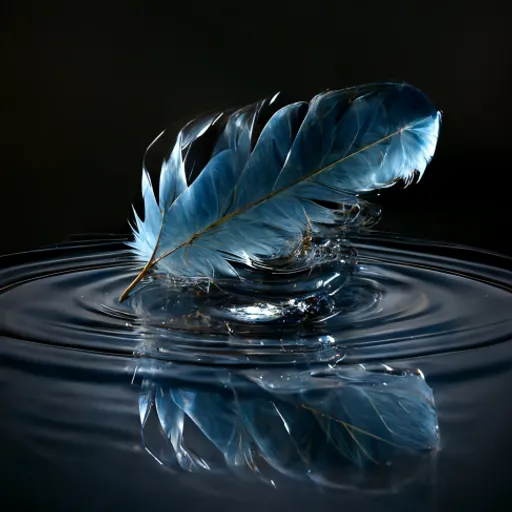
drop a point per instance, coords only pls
(74, 362)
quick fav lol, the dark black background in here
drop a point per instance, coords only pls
(85, 88)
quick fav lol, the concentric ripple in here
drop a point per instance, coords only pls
(405, 298)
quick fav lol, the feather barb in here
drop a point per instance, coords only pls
(153, 261)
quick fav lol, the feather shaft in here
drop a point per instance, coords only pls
(348, 142)
(153, 261)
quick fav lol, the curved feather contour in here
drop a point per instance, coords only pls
(252, 199)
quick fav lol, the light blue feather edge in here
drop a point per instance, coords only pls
(350, 141)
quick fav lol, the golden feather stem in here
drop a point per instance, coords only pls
(236, 213)
(146, 268)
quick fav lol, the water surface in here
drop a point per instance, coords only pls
(75, 364)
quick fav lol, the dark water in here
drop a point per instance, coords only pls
(391, 393)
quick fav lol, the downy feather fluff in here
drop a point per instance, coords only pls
(269, 179)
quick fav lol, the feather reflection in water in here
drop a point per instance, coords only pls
(325, 426)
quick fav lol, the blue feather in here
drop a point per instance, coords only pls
(253, 199)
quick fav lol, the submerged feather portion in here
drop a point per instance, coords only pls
(254, 197)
